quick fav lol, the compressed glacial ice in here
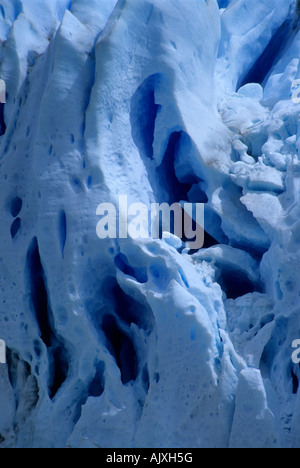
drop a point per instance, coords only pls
(139, 342)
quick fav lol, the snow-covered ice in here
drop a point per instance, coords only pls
(142, 343)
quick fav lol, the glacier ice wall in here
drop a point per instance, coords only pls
(127, 343)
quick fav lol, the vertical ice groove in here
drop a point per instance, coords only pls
(57, 353)
(62, 231)
(113, 19)
(275, 49)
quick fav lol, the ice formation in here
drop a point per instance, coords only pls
(130, 343)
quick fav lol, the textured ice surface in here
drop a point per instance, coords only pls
(127, 343)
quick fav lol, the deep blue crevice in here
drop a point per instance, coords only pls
(223, 3)
(15, 227)
(113, 319)
(97, 385)
(166, 175)
(57, 354)
(236, 283)
(128, 309)
(59, 366)
(2, 121)
(131, 311)
(38, 291)
(188, 188)
(143, 115)
(16, 206)
(62, 231)
(146, 378)
(272, 53)
(121, 347)
(295, 381)
(140, 274)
